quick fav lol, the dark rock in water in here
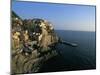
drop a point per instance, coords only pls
(33, 44)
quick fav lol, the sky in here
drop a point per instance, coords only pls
(62, 16)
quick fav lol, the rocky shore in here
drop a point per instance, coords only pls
(33, 43)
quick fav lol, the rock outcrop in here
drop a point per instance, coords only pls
(33, 43)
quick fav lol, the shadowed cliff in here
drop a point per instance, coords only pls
(33, 43)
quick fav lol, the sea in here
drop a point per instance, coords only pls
(82, 57)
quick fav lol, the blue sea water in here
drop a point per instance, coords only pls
(82, 57)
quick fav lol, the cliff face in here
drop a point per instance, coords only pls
(33, 43)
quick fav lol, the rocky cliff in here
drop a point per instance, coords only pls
(33, 43)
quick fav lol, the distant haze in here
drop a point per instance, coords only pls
(62, 16)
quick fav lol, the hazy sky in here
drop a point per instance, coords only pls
(62, 16)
